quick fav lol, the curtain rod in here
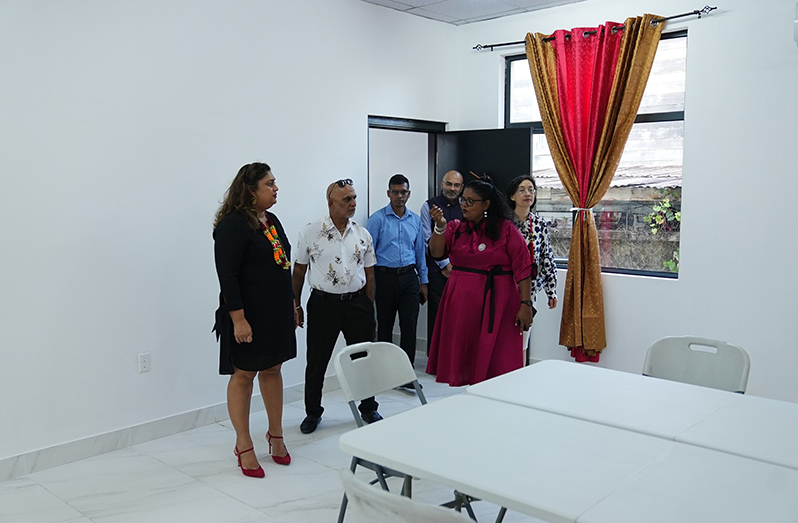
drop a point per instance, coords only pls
(706, 10)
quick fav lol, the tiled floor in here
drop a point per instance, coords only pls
(192, 476)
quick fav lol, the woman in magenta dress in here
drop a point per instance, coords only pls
(486, 305)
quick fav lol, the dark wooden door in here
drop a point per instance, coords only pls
(502, 154)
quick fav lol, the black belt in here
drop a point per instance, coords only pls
(395, 270)
(494, 271)
(343, 297)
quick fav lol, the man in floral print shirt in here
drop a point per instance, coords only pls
(337, 256)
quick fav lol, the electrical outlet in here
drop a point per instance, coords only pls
(144, 362)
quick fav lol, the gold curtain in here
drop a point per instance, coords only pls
(582, 322)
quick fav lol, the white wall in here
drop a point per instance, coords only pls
(738, 243)
(122, 125)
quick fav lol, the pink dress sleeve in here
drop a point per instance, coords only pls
(451, 227)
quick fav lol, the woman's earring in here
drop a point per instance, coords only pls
(485, 213)
(254, 199)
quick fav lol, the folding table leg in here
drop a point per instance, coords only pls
(407, 487)
(462, 500)
(500, 517)
(342, 511)
(381, 478)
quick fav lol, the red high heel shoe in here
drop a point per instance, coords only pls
(280, 460)
(252, 473)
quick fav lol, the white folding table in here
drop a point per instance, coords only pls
(548, 466)
(758, 428)
(564, 469)
(620, 399)
(749, 426)
(697, 485)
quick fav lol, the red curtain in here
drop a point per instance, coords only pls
(585, 72)
(586, 58)
(589, 83)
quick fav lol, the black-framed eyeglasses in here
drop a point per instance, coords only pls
(468, 202)
(399, 192)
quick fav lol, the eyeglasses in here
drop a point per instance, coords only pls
(468, 202)
(397, 192)
(340, 183)
(522, 190)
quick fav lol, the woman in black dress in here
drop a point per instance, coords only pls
(256, 318)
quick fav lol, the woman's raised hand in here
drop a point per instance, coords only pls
(436, 213)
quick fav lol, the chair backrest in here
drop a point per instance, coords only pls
(369, 368)
(371, 504)
(699, 361)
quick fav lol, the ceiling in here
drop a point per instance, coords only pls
(459, 12)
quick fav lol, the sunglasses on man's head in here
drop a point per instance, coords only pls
(341, 183)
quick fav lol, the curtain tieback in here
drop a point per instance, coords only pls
(575, 210)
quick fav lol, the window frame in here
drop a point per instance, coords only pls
(537, 128)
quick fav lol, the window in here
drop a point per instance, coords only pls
(639, 218)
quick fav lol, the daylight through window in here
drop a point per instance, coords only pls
(639, 218)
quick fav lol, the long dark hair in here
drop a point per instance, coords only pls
(238, 197)
(514, 183)
(498, 210)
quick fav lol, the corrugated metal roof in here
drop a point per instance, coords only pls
(658, 177)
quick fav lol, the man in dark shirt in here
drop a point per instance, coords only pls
(438, 271)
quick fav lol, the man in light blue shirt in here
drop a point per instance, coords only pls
(401, 270)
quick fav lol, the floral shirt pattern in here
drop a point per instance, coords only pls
(536, 231)
(336, 261)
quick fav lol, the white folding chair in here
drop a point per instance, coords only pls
(373, 505)
(365, 370)
(699, 361)
(369, 368)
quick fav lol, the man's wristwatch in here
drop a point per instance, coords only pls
(527, 302)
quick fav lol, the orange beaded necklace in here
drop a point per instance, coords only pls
(271, 234)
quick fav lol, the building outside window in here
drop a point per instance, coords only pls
(639, 218)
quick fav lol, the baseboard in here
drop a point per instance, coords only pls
(63, 453)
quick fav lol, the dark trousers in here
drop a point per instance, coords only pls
(398, 293)
(328, 317)
(437, 282)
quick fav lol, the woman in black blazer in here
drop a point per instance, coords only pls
(256, 318)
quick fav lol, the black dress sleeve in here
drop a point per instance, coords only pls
(231, 241)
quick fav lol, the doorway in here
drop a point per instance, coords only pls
(423, 151)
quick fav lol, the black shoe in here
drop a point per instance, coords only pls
(410, 387)
(309, 424)
(371, 416)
